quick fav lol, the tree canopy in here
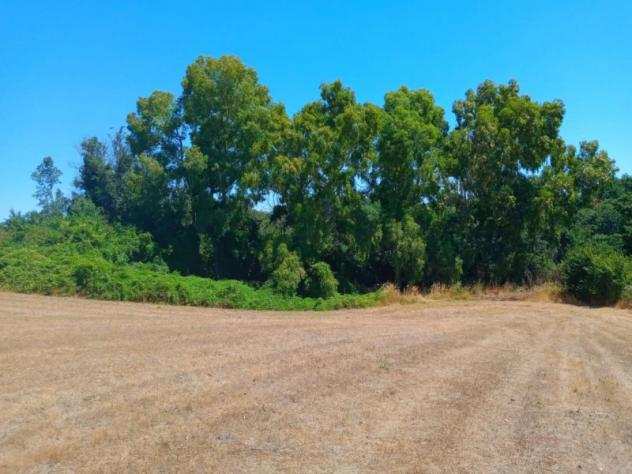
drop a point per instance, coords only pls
(350, 195)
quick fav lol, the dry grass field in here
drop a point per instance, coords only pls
(445, 386)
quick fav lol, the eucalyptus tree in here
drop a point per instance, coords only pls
(47, 177)
(500, 145)
(235, 131)
(410, 140)
(230, 186)
(322, 183)
(96, 176)
(405, 184)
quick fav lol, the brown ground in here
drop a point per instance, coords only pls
(470, 386)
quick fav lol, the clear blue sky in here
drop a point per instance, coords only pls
(70, 69)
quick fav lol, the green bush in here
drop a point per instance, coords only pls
(288, 275)
(594, 274)
(321, 282)
(31, 270)
(93, 277)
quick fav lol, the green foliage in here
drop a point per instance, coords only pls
(321, 282)
(607, 220)
(84, 231)
(595, 274)
(154, 127)
(93, 278)
(406, 250)
(229, 187)
(412, 133)
(96, 176)
(33, 270)
(82, 254)
(328, 151)
(501, 140)
(288, 274)
(46, 177)
(233, 122)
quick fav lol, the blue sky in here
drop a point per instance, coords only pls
(71, 69)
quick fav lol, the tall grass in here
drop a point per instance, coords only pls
(547, 292)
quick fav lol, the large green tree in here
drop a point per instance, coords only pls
(235, 131)
(409, 145)
(321, 182)
(500, 145)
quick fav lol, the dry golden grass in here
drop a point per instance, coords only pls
(625, 303)
(473, 385)
(544, 293)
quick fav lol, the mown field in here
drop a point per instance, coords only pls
(88, 385)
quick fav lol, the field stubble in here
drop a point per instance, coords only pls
(433, 386)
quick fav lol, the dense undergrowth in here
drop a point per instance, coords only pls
(82, 254)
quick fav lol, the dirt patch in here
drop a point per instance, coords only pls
(464, 386)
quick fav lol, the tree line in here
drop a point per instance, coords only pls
(354, 194)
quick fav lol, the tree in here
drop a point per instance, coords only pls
(592, 170)
(351, 194)
(234, 123)
(594, 274)
(96, 176)
(288, 272)
(235, 129)
(321, 282)
(410, 140)
(191, 169)
(155, 129)
(500, 145)
(322, 182)
(406, 250)
(46, 177)
(608, 220)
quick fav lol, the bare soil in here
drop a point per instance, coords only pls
(448, 386)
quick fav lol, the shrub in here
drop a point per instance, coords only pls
(288, 275)
(93, 277)
(594, 274)
(407, 250)
(30, 270)
(321, 282)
